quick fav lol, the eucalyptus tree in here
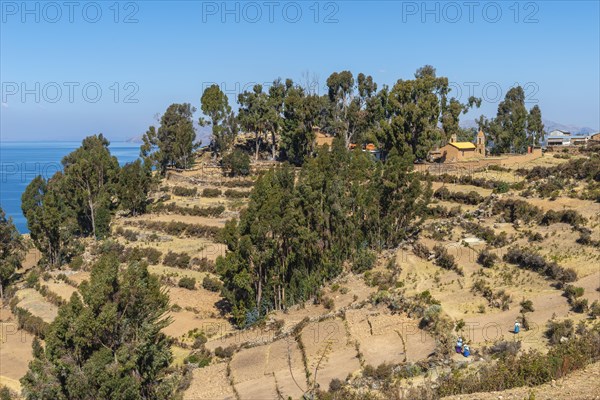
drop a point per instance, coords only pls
(172, 145)
(215, 105)
(509, 128)
(50, 220)
(255, 114)
(91, 175)
(12, 250)
(135, 182)
(302, 112)
(535, 126)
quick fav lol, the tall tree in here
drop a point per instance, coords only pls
(302, 113)
(172, 145)
(255, 114)
(106, 342)
(135, 181)
(12, 250)
(50, 220)
(341, 88)
(451, 111)
(535, 126)
(416, 107)
(275, 103)
(215, 105)
(91, 175)
(508, 129)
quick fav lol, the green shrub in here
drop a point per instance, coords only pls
(444, 259)
(594, 310)
(237, 163)
(532, 261)
(211, 192)
(32, 278)
(487, 258)
(328, 303)
(203, 264)
(199, 358)
(76, 263)
(526, 306)
(559, 329)
(236, 194)
(363, 261)
(183, 191)
(212, 284)
(226, 352)
(187, 283)
(177, 260)
(503, 187)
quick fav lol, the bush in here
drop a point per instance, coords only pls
(382, 372)
(210, 211)
(516, 209)
(363, 261)
(335, 385)
(211, 192)
(129, 235)
(570, 217)
(203, 264)
(595, 309)
(557, 330)
(573, 292)
(503, 348)
(199, 358)
(211, 284)
(502, 187)
(177, 260)
(579, 305)
(76, 263)
(444, 259)
(183, 191)
(532, 261)
(472, 197)
(328, 303)
(178, 228)
(526, 306)
(187, 283)
(152, 255)
(487, 258)
(236, 194)
(237, 163)
(421, 250)
(30, 323)
(32, 279)
(226, 352)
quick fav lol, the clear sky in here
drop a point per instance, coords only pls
(71, 69)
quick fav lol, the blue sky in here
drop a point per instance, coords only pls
(55, 57)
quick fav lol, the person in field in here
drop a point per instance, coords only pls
(517, 327)
(466, 350)
(459, 345)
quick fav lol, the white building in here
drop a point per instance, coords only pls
(559, 138)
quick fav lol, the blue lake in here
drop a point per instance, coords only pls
(21, 162)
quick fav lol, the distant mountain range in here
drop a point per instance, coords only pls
(549, 126)
(202, 134)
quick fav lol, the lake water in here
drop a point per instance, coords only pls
(21, 162)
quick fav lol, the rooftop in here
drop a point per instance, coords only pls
(463, 145)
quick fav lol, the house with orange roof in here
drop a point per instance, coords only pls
(455, 151)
